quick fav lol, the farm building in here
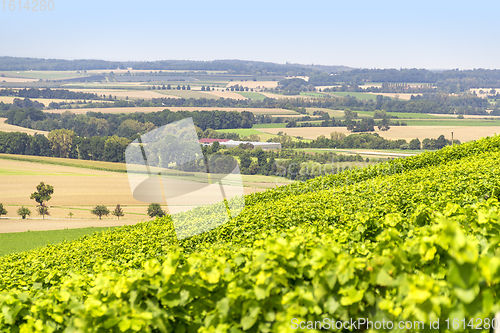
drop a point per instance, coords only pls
(208, 142)
(233, 144)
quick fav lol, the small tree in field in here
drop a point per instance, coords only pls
(3, 211)
(118, 212)
(100, 211)
(43, 193)
(70, 214)
(43, 210)
(154, 210)
(23, 211)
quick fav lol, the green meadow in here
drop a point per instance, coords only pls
(29, 240)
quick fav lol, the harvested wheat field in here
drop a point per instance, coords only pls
(77, 191)
(122, 94)
(402, 96)
(12, 128)
(462, 133)
(467, 116)
(253, 110)
(16, 79)
(44, 101)
(109, 110)
(255, 84)
(226, 94)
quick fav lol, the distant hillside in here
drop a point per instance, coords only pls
(232, 66)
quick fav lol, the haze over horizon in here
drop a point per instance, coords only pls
(387, 34)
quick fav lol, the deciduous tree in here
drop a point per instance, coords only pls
(62, 141)
(154, 210)
(43, 210)
(100, 210)
(3, 211)
(23, 212)
(118, 211)
(43, 193)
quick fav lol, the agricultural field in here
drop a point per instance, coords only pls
(16, 79)
(279, 96)
(454, 122)
(253, 95)
(45, 101)
(358, 95)
(123, 94)
(311, 94)
(44, 75)
(407, 115)
(371, 153)
(30, 240)
(332, 113)
(255, 84)
(273, 125)
(403, 96)
(249, 131)
(343, 246)
(462, 133)
(19, 176)
(12, 128)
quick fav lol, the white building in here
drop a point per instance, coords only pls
(233, 144)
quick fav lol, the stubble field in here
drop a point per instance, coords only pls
(462, 133)
(78, 191)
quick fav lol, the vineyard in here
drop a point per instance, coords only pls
(412, 240)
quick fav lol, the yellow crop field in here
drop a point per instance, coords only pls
(77, 190)
(123, 93)
(402, 96)
(45, 101)
(16, 79)
(462, 133)
(255, 84)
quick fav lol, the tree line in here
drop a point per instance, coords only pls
(362, 141)
(425, 103)
(65, 143)
(123, 125)
(230, 66)
(450, 81)
(282, 162)
(49, 93)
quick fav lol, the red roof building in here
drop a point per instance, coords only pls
(212, 140)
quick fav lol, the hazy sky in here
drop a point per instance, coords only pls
(383, 34)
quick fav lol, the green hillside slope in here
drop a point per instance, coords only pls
(410, 240)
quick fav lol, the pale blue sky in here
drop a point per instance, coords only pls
(382, 34)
